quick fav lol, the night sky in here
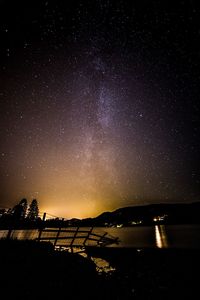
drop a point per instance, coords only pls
(99, 104)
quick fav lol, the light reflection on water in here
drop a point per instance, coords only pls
(161, 236)
(102, 265)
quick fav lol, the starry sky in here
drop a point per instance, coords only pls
(99, 104)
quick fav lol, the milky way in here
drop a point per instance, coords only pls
(99, 104)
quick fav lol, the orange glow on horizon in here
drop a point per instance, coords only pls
(69, 212)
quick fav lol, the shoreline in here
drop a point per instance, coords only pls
(35, 270)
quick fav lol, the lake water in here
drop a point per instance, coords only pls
(159, 236)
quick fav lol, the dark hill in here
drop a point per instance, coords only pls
(168, 213)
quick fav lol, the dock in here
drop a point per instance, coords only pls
(76, 238)
(67, 238)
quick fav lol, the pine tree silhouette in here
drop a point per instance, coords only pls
(19, 210)
(33, 210)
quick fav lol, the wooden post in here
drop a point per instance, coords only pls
(40, 231)
(9, 233)
(75, 234)
(101, 238)
(87, 237)
(57, 235)
(44, 217)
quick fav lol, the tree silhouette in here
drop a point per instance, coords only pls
(19, 210)
(33, 210)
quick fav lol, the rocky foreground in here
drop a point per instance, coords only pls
(31, 270)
